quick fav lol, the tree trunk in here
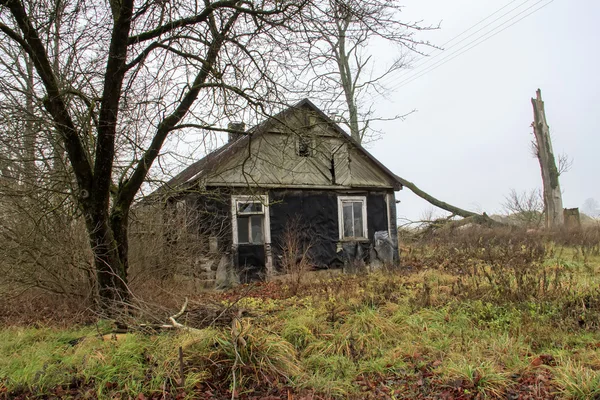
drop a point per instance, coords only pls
(110, 261)
(481, 219)
(543, 145)
(346, 79)
(29, 141)
(438, 203)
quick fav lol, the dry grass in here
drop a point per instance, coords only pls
(468, 321)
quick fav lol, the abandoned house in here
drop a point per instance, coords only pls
(297, 180)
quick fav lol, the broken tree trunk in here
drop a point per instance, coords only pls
(468, 215)
(543, 147)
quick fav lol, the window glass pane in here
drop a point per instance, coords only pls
(242, 223)
(249, 207)
(256, 227)
(347, 221)
(358, 219)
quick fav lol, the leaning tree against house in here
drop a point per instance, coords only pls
(126, 79)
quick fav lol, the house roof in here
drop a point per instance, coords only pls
(204, 166)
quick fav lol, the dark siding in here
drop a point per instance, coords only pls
(317, 216)
(376, 214)
(315, 211)
(213, 215)
(251, 262)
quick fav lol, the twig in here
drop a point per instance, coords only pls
(177, 325)
(235, 337)
(183, 308)
(243, 295)
(181, 370)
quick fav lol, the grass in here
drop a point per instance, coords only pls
(39, 360)
(577, 381)
(400, 335)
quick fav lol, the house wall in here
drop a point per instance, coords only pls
(316, 214)
(313, 214)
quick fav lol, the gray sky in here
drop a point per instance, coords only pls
(469, 142)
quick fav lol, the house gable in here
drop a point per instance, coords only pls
(300, 147)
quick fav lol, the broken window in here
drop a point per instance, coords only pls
(249, 207)
(304, 148)
(352, 217)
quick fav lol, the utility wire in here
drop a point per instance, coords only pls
(427, 59)
(474, 43)
(485, 19)
(416, 73)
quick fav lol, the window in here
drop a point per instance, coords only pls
(249, 219)
(304, 148)
(352, 214)
(249, 207)
(250, 229)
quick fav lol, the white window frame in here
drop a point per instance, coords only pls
(354, 199)
(264, 201)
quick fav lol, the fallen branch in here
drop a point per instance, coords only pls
(482, 219)
(473, 217)
(173, 318)
(123, 328)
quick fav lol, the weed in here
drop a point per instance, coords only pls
(483, 378)
(295, 253)
(300, 329)
(576, 381)
(253, 354)
(489, 317)
(331, 374)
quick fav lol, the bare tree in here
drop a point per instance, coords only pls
(591, 208)
(543, 149)
(338, 35)
(526, 208)
(113, 85)
(295, 252)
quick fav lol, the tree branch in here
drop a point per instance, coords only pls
(109, 108)
(54, 102)
(131, 186)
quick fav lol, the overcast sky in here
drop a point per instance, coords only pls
(469, 142)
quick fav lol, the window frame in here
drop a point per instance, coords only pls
(352, 199)
(266, 225)
(242, 201)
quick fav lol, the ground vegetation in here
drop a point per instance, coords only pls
(469, 314)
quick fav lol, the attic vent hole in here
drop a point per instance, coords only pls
(304, 147)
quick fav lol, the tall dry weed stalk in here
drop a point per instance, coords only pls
(44, 247)
(507, 263)
(295, 253)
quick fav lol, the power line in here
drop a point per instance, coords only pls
(425, 60)
(485, 19)
(474, 43)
